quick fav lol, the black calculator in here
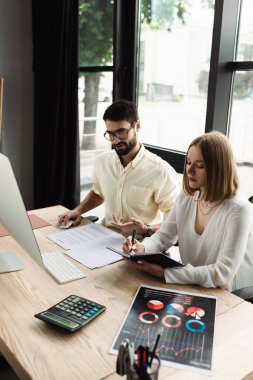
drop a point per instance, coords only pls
(72, 313)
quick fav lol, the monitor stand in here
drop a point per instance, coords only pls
(9, 262)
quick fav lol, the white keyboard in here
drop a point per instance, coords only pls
(60, 268)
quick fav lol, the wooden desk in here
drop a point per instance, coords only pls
(38, 351)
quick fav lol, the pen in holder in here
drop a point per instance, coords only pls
(141, 364)
(146, 371)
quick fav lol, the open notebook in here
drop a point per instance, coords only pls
(155, 258)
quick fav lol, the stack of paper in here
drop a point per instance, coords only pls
(87, 244)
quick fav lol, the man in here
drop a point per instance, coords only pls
(136, 185)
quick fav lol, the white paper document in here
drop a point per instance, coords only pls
(87, 244)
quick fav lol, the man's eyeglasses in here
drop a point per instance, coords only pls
(121, 133)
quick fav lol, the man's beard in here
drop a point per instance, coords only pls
(124, 148)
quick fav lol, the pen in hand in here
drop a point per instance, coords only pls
(133, 237)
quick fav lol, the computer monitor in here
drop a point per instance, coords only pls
(14, 218)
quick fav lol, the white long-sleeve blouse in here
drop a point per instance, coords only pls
(222, 256)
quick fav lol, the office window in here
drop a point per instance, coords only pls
(96, 23)
(174, 61)
(241, 121)
(241, 125)
(95, 32)
(245, 38)
(91, 124)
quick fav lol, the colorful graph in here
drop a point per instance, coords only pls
(171, 321)
(175, 345)
(185, 323)
(195, 326)
(155, 305)
(186, 346)
(148, 317)
(195, 312)
(174, 308)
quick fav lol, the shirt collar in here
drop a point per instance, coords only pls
(138, 156)
(136, 159)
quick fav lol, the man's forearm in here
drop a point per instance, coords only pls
(91, 201)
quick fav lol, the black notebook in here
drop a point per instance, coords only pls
(155, 258)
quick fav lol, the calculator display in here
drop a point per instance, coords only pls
(58, 319)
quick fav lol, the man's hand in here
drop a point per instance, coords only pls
(134, 224)
(73, 215)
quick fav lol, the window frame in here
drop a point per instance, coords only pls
(221, 74)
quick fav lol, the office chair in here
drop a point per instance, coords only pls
(245, 293)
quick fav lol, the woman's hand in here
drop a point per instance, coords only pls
(128, 227)
(130, 247)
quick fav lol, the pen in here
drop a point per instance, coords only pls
(155, 347)
(133, 236)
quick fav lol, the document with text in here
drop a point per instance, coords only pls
(87, 244)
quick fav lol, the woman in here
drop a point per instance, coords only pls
(213, 224)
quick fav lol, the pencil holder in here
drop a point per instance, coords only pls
(144, 372)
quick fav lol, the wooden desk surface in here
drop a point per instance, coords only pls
(37, 351)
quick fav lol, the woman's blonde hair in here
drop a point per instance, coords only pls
(221, 172)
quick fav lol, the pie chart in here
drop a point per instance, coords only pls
(195, 312)
(155, 305)
(174, 308)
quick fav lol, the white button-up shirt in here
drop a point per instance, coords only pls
(221, 256)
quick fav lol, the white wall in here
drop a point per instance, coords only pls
(16, 68)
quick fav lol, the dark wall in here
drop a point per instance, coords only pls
(16, 68)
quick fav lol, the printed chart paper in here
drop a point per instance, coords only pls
(185, 322)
